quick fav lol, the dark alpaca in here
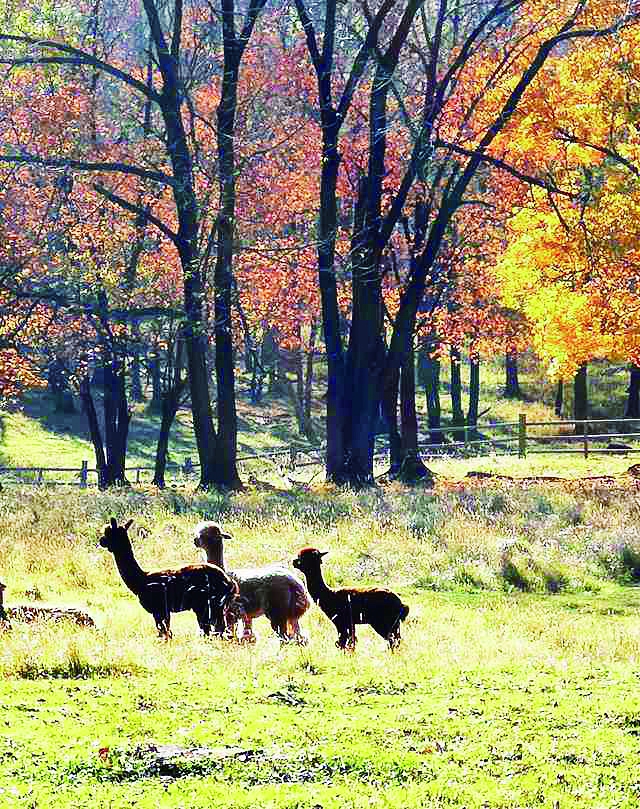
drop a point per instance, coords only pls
(205, 589)
(379, 608)
(272, 591)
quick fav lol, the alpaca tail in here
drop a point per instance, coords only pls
(299, 603)
(404, 611)
(298, 599)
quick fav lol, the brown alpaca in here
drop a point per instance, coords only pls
(28, 613)
(4, 618)
(205, 589)
(272, 591)
(379, 608)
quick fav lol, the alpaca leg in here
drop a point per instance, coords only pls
(204, 621)
(346, 637)
(390, 632)
(231, 631)
(296, 633)
(394, 638)
(247, 631)
(163, 625)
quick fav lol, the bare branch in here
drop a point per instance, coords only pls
(136, 209)
(79, 57)
(83, 165)
(177, 30)
(503, 166)
(618, 158)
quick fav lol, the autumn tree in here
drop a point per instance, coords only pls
(571, 262)
(164, 187)
(468, 95)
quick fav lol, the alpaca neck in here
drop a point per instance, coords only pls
(131, 572)
(316, 584)
(215, 555)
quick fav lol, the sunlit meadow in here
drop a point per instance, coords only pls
(516, 684)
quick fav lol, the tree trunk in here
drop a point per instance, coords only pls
(297, 393)
(430, 377)
(308, 383)
(580, 397)
(156, 382)
(257, 381)
(457, 414)
(335, 462)
(170, 406)
(217, 454)
(116, 424)
(365, 354)
(474, 394)
(194, 331)
(632, 409)
(94, 432)
(227, 471)
(390, 415)
(355, 385)
(412, 468)
(559, 398)
(301, 396)
(512, 384)
(136, 380)
(171, 399)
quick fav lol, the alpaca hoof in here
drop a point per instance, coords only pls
(248, 637)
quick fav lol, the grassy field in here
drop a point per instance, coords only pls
(516, 684)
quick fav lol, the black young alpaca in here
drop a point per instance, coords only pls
(204, 588)
(378, 607)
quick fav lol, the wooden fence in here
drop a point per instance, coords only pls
(521, 437)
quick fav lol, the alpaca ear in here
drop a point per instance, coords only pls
(322, 553)
(114, 523)
(128, 524)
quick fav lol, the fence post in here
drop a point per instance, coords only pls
(84, 474)
(292, 458)
(522, 435)
(585, 434)
(137, 476)
(40, 476)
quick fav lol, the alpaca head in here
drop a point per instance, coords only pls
(209, 535)
(115, 536)
(309, 559)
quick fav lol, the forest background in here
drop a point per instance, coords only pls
(323, 189)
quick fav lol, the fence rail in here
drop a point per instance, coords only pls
(518, 438)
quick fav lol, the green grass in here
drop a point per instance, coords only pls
(515, 686)
(497, 697)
